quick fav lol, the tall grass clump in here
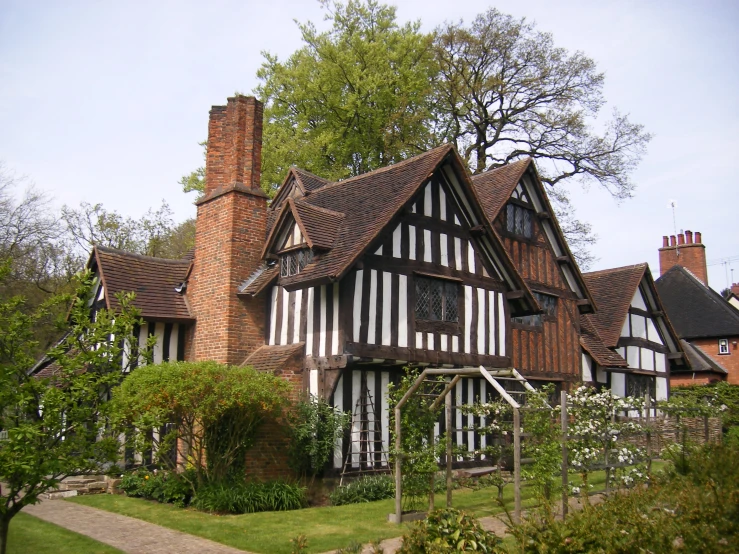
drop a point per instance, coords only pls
(243, 497)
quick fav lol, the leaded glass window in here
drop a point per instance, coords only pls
(547, 302)
(292, 263)
(639, 385)
(436, 299)
(519, 220)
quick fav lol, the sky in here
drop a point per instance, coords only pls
(106, 102)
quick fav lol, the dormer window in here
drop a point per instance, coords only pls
(293, 262)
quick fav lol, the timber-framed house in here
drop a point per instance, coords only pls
(337, 286)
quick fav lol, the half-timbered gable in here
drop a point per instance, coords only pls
(631, 323)
(154, 282)
(544, 345)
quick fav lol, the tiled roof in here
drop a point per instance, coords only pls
(494, 187)
(273, 358)
(320, 225)
(591, 341)
(700, 361)
(153, 280)
(694, 309)
(308, 181)
(613, 290)
(256, 282)
(368, 202)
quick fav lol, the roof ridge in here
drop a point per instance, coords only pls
(110, 250)
(641, 265)
(306, 172)
(305, 202)
(380, 170)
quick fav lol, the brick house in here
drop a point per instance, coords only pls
(337, 286)
(706, 322)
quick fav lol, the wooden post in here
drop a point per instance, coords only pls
(648, 409)
(398, 476)
(448, 405)
(517, 463)
(565, 462)
(706, 430)
(433, 474)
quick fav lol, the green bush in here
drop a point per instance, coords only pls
(449, 530)
(365, 489)
(241, 497)
(696, 512)
(162, 486)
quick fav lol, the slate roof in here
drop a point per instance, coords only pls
(613, 290)
(273, 358)
(696, 310)
(700, 361)
(593, 344)
(153, 280)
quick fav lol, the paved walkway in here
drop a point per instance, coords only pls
(135, 536)
(128, 534)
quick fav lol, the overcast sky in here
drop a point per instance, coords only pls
(104, 101)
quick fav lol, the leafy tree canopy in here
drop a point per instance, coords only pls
(353, 99)
(57, 426)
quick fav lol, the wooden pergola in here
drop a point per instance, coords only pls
(494, 377)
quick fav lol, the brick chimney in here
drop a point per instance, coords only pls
(687, 251)
(229, 235)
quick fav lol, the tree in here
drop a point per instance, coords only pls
(505, 91)
(351, 100)
(154, 234)
(211, 413)
(58, 426)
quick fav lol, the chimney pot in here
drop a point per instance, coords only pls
(680, 239)
(665, 242)
(672, 240)
(697, 237)
(689, 237)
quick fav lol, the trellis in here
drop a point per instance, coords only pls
(494, 377)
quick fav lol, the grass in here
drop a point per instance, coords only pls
(326, 528)
(30, 535)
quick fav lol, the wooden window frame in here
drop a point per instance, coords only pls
(721, 350)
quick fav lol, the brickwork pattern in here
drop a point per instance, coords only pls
(686, 252)
(230, 233)
(729, 361)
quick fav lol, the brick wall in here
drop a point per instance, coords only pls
(728, 361)
(268, 458)
(230, 233)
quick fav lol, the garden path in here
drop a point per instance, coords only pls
(130, 535)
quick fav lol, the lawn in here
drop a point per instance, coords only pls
(326, 528)
(30, 535)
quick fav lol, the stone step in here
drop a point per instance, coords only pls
(55, 495)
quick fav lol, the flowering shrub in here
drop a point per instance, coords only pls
(597, 437)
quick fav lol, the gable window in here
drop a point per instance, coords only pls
(723, 346)
(436, 299)
(292, 263)
(519, 220)
(548, 303)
